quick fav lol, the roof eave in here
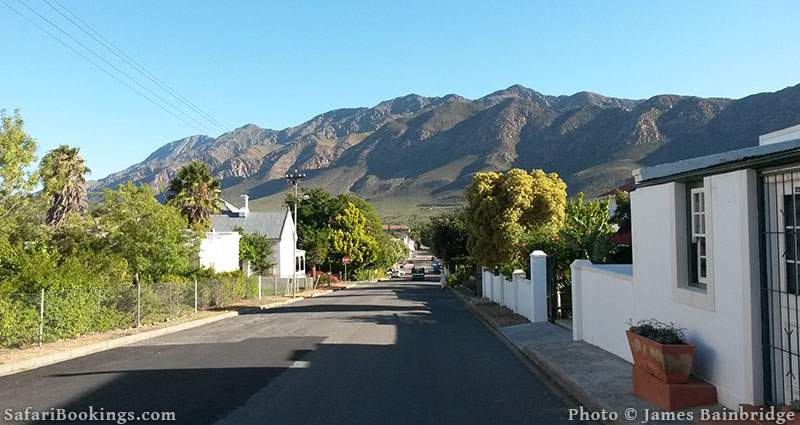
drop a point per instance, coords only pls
(773, 159)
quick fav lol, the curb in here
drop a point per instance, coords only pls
(74, 353)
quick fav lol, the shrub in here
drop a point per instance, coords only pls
(19, 320)
(660, 332)
(368, 274)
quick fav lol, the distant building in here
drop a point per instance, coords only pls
(277, 226)
(403, 233)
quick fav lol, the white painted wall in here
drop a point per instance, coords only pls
(220, 251)
(282, 251)
(723, 321)
(525, 297)
(602, 303)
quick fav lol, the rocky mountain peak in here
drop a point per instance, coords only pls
(416, 149)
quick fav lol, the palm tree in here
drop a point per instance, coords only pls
(196, 194)
(63, 172)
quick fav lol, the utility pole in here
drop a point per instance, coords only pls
(294, 177)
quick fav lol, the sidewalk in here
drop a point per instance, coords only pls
(597, 379)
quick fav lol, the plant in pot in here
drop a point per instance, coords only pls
(661, 350)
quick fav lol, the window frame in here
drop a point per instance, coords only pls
(699, 260)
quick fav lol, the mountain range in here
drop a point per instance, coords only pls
(416, 152)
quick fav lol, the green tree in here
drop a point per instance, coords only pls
(372, 221)
(17, 153)
(196, 194)
(502, 209)
(257, 249)
(63, 173)
(622, 212)
(446, 235)
(152, 237)
(317, 244)
(349, 237)
(390, 251)
(588, 229)
(315, 211)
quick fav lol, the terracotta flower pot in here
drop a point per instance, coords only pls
(670, 363)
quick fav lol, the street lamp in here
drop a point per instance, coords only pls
(293, 177)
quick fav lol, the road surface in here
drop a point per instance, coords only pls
(389, 353)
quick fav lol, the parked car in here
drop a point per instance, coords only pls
(418, 273)
(397, 274)
(436, 266)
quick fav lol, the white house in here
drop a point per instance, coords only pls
(716, 251)
(277, 226)
(220, 251)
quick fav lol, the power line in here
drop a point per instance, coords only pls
(100, 39)
(98, 66)
(115, 67)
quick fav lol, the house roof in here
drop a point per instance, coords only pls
(626, 186)
(755, 156)
(269, 224)
(389, 227)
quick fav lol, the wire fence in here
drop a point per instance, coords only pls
(51, 315)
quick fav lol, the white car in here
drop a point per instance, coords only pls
(398, 274)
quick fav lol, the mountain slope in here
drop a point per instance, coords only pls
(416, 150)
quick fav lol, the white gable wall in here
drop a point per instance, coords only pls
(220, 251)
(283, 249)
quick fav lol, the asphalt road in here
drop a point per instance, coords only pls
(390, 353)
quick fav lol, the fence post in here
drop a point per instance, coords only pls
(41, 318)
(195, 295)
(259, 286)
(577, 300)
(538, 286)
(138, 301)
(517, 276)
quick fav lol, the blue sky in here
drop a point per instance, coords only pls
(276, 64)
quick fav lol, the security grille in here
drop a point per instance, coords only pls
(779, 195)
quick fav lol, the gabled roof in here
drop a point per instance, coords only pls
(269, 224)
(752, 157)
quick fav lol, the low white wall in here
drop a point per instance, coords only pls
(220, 251)
(520, 295)
(602, 304)
(508, 293)
(497, 289)
(524, 301)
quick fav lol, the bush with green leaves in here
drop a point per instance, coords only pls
(256, 249)
(502, 208)
(19, 320)
(660, 332)
(367, 274)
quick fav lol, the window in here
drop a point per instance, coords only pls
(698, 246)
(791, 222)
